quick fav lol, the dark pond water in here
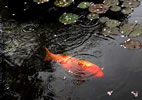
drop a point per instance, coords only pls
(25, 76)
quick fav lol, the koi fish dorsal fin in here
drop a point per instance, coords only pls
(48, 55)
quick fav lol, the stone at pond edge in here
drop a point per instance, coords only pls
(84, 5)
(68, 18)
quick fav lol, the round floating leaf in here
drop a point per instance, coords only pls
(84, 5)
(126, 29)
(62, 3)
(98, 8)
(68, 18)
(92, 16)
(111, 2)
(110, 31)
(104, 19)
(115, 8)
(131, 3)
(127, 10)
(132, 44)
(137, 31)
(112, 23)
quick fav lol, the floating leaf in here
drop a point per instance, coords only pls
(110, 31)
(41, 1)
(131, 3)
(112, 23)
(126, 29)
(63, 3)
(92, 16)
(84, 5)
(68, 18)
(132, 44)
(137, 31)
(115, 8)
(104, 19)
(131, 30)
(111, 2)
(127, 10)
(98, 8)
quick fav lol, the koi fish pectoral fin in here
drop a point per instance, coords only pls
(47, 57)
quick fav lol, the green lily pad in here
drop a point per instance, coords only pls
(131, 3)
(104, 19)
(111, 2)
(110, 31)
(115, 8)
(84, 5)
(63, 3)
(126, 29)
(131, 30)
(112, 23)
(68, 18)
(127, 10)
(92, 16)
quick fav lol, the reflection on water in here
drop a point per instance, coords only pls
(34, 79)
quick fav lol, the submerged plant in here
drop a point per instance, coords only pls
(98, 8)
(63, 3)
(68, 18)
(84, 5)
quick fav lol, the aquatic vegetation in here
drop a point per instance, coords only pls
(110, 31)
(131, 30)
(104, 19)
(98, 8)
(84, 5)
(131, 3)
(92, 16)
(127, 10)
(115, 8)
(62, 3)
(41, 1)
(132, 44)
(112, 23)
(111, 2)
(68, 18)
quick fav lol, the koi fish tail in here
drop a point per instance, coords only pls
(48, 55)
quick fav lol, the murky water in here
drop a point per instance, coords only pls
(25, 76)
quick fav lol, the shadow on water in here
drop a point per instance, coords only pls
(25, 76)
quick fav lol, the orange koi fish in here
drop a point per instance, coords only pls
(72, 64)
